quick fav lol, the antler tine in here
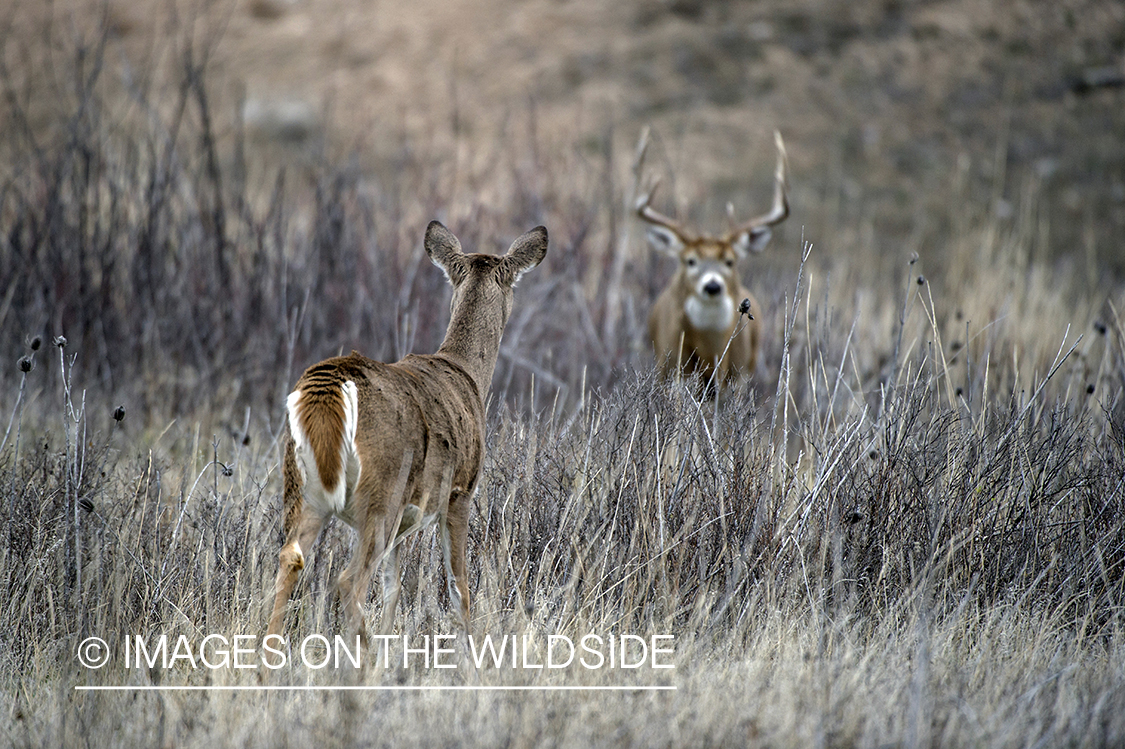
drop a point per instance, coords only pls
(639, 154)
(649, 214)
(644, 197)
(780, 210)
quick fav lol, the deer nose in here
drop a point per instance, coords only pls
(712, 288)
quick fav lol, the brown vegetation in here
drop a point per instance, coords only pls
(907, 530)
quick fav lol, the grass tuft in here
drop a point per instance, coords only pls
(907, 529)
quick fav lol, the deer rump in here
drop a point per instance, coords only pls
(416, 420)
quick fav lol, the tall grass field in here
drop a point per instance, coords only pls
(906, 529)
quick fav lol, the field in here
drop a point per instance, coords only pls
(907, 529)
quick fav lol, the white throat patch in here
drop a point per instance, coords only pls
(707, 315)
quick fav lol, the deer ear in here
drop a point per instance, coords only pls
(752, 240)
(664, 240)
(444, 250)
(524, 254)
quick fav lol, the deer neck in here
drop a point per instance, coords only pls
(472, 342)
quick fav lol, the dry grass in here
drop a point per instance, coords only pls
(907, 530)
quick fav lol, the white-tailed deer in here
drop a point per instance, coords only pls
(694, 324)
(390, 448)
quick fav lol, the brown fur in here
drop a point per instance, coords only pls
(321, 410)
(419, 433)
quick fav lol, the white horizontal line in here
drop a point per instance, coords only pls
(272, 688)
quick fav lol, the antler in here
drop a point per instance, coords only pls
(780, 210)
(642, 206)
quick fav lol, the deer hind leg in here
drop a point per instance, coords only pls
(377, 528)
(412, 521)
(302, 526)
(454, 527)
(355, 581)
(392, 586)
(291, 559)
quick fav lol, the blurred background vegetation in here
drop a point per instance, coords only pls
(204, 197)
(907, 529)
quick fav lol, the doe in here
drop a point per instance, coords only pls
(391, 448)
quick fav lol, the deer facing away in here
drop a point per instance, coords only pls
(694, 323)
(390, 448)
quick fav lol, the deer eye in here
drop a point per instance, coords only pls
(730, 262)
(692, 262)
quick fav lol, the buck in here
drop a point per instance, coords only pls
(393, 448)
(694, 323)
